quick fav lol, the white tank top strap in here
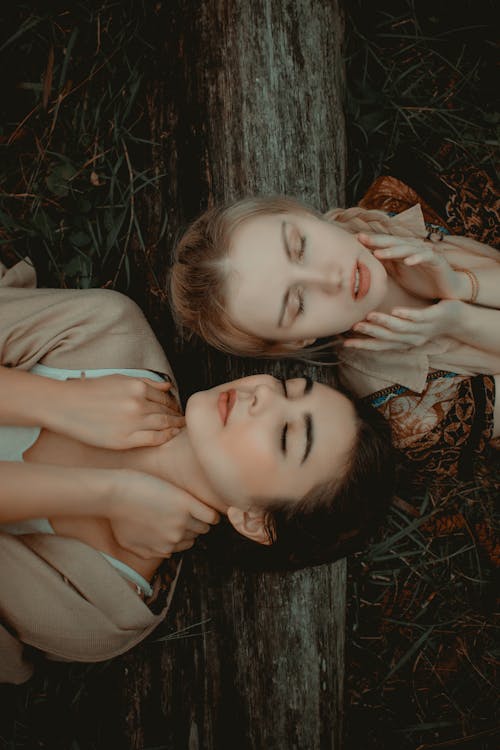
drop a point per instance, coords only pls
(58, 373)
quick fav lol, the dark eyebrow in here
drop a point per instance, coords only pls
(308, 422)
(286, 249)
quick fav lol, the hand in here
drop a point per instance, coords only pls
(115, 411)
(406, 327)
(153, 518)
(417, 267)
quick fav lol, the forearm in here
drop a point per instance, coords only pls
(26, 399)
(40, 491)
(477, 326)
(482, 285)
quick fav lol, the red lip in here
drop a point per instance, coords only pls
(225, 403)
(364, 281)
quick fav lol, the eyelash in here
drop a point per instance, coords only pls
(302, 249)
(285, 426)
(300, 297)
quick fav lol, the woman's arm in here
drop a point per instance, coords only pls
(40, 491)
(484, 284)
(409, 327)
(148, 516)
(115, 411)
(423, 271)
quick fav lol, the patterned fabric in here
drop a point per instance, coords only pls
(439, 556)
(440, 430)
(392, 196)
(473, 206)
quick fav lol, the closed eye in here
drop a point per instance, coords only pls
(293, 255)
(302, 249)
(300, 298)
(283, 438)
(284, 431)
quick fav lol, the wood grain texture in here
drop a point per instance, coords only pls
(246, 97)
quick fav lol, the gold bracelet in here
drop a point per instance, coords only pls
(474, 283)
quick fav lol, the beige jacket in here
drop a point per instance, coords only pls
(367, 372)
(57, 594)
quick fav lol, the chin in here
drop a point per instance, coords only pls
(379, 285)
(202, 418)
(193, 407)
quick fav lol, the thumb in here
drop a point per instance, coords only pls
(163, 385)
(364, 238)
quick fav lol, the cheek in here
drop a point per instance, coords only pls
(248, 459)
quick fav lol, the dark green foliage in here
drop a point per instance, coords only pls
(71, 139)
(421, 78)
(422, 665)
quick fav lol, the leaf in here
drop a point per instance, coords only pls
(58, 179)
(79, 239)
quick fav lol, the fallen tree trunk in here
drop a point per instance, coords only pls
(247, 97)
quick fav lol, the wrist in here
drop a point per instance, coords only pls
(51, 407)
(26, 399)
(468, 286)
(116, 483)
(63, 406)
(98, 491)
(457, 317)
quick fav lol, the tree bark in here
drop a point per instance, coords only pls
(247, 97)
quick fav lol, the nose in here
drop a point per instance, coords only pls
(263, 399)
(327, 279)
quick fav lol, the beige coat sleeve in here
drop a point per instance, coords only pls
(72, 328)
(59, 595)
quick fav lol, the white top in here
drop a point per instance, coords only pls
(15, 441)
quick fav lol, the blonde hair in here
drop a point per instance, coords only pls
(198, 276)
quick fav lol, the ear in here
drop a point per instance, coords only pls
(249, 523)
(298, 344)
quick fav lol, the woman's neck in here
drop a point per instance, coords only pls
(396, 296)
(175, 462)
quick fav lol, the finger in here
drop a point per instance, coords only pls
(203, 512)
(157, 392)
(162, 421)
(426, 256)
(391, 322)
(198, 527)
(412, 337)
(168, 410)
(411, 255)
(186, 535)
(417, 315)
(397, 333)
(148, 438)
(162, 393)
(160, 385)
(173, 403)
(375, 345)
(182, 546)
(386, 241)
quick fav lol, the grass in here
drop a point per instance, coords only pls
(421, 78)
(423, 635)
(423, 658)
(73, 161)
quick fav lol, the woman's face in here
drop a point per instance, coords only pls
(294, 277)
(258, 437)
